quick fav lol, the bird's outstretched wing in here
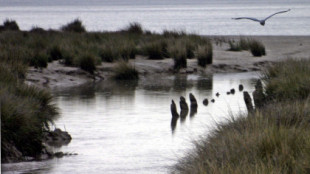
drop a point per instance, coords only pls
(276, 13)
(253, 19)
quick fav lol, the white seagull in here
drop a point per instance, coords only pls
(262, 22)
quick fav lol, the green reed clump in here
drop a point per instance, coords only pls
(179, 55)
(257, 48)
(155, 50)
(134, 28)
(288, 80)
(87, 63)
(242, 44)
(125, 71)
(9, 25)
(204, 55)
(128, 51)
(254, 46)
(108, 54)
(74, 26)
(272, 140)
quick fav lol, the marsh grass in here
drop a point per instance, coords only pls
(288, 80)
(26, 111)
(275, 140)
(87, 63)
(134, 28)
(125, 71)
(257, 48)
(204, 55)
(38, 47)
(74, 26)
(254, 46)
(179, 55)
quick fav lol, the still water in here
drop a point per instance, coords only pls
(126, 127)
(204, 17)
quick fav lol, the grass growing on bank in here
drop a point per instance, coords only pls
(125, 71)
(204, 55)
(254, 46)
(25, 111)
(289, 80)
(274, 139)
(72, 45)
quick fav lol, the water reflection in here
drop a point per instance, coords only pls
(126, 127)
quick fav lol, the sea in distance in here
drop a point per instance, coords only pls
(203, 17)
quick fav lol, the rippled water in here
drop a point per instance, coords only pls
(212, 17)
(126, 127)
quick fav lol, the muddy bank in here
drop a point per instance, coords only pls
(278, 48)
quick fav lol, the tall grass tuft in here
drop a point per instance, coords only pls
(257, 48)
(134, 28)
(155, 50)
(74, 26)
(125, 71)
(204, 55)
(88, 63)
(289, 80)
(179, 55)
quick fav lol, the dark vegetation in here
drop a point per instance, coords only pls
(73, 46)
(254, 46)
(273, 139)
(125, 71)
(25, 111)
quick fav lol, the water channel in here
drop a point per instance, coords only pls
(125, 127)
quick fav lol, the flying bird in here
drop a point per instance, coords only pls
(262, 21)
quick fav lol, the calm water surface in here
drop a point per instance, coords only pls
(125, 127)
(205, 17)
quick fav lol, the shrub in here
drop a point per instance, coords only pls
(87, 63)
(204, 55)
(75, 26)
(257, 48)
(134, 28)
(10, 25)
(124, 71)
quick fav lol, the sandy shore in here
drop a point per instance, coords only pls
(278, 48)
